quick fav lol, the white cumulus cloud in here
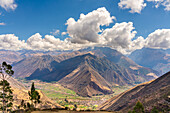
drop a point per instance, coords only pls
(87, 27)
(135, 6)
(159, 39)
(86, 32)
(120, 37)
(11, 42)
(8, 4)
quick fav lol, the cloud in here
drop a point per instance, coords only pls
(2, 24)
(138, 43)
(8, 4)
(135, 6)
(165, 3)
(86, 32)
(120, 37)
(55, 32)
(11, 42)
(87, 27)
(159, 39)
(63, 33)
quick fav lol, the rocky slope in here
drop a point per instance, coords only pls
(151, 94)
(27, 66)
(123, 61)
(86, 82)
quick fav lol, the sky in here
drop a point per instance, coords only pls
(124, 25)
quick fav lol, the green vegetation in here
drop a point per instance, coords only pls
(6, 94)
(34, 95)
(58, 93)
(139, 108)
(154, 110)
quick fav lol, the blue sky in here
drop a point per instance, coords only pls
(47, 16)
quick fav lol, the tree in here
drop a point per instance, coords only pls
(34, 95)
(6, 94)
(154, 110)
(139, 108)
(75, 107)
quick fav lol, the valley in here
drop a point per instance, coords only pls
(84, 56)
(68, 98)
(88, 79)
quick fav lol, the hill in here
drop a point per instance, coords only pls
(156, 59)
(20, 92)
(151, 94)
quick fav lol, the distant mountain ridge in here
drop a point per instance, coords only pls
(156, 59)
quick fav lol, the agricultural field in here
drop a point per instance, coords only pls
(69, 98)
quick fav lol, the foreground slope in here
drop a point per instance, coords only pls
(20, 92)
(156, 93)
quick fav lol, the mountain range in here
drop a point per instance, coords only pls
(156, 59)
(84, 71)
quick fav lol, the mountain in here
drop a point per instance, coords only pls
(86, 82)
(27, 66)
(98, 74)
(9, 56)
(20, 92)
(105, 66)
(156, 59)
(155, 93)
(14, 56)
(123, 61)
(112, 55)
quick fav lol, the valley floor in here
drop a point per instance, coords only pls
(68, 98)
